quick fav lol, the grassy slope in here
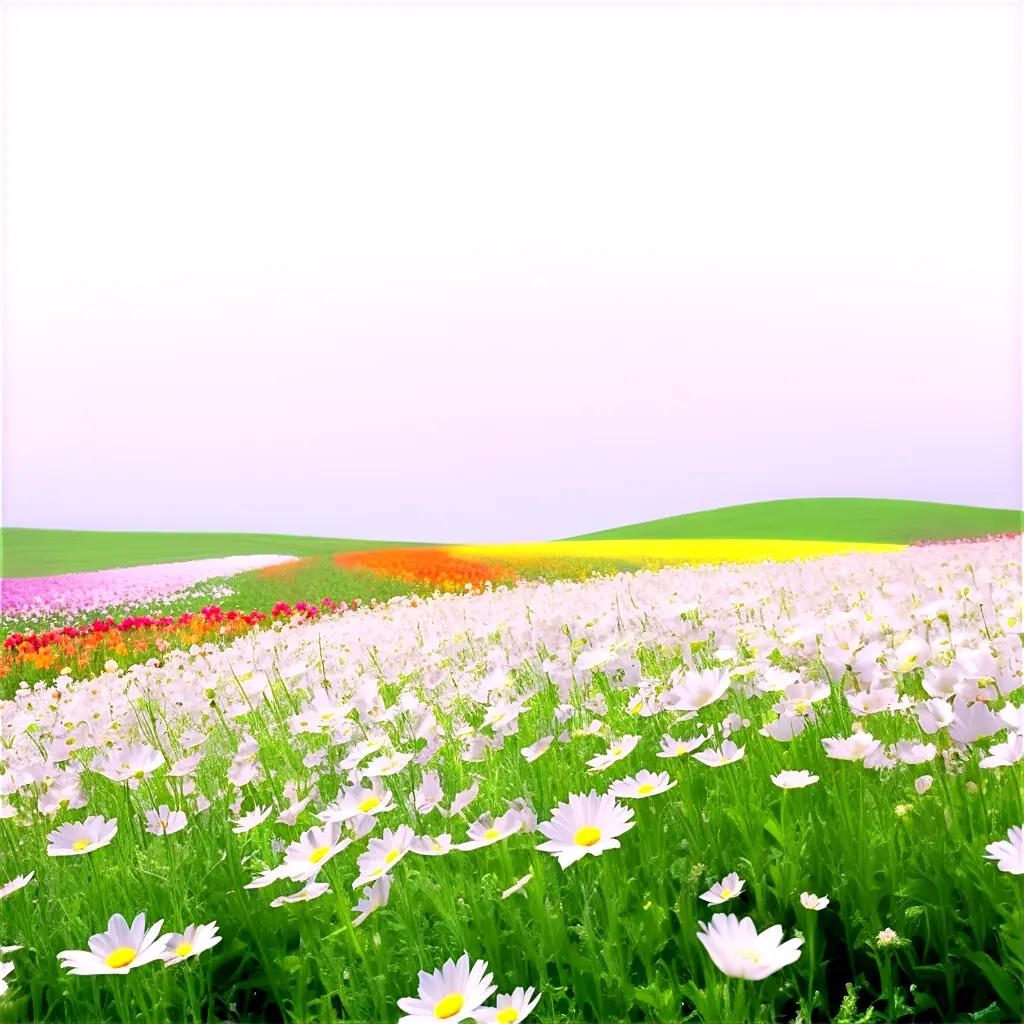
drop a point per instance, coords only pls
(28, 552)
(881, 520)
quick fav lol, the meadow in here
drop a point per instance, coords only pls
(567, 783)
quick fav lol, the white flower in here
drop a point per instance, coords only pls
(699, 689)
(374, 897)
(510, 1009)
(247, 822)
(812, 902)
(794, 780)
(195, 939)
(356, 800)
(432, 846)
(728, 888)
(164, 822)
(117, 950)
(487, 830)
(887, 937)
(452, 993)
(310, 891)
(1009, 853)
(856, 747)
(923, 784)
(535, 750)
(78, 837)
(312, 850)
(5, 970)
(1002, 755)
(739, 951)
(15, 884)
(616, 751)
(642, 785)
(383, 854)
(728, 753)
(585, 825)
(671, 747)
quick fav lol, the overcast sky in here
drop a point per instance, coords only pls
(502, 272)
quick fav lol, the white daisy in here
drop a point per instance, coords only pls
(641, 785)
(510, 1009)
(728, 753)
(487, 830)
(452, 993)
(812, 902)
(739, 951)
(164, 822)
(1009, 853)
(794, 780)
(383, 854)
(616, 751)
(310, 891)
(15, 884)
(374, 897)
(195, 939)
(78, 837)
(585, 825)
(312, 850)
(728, 888)
(247, 822)
(118, 950)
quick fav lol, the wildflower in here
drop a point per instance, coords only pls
(1008, 853)
(535, 750)
(851, 748)
(923, 784)
(902, 810)
(356, 800)
(310, 891)
(312, 850)
(195, 939)
(5, 970)
(510, 1009)
(1002, 755)
(812, 902)
(643, 784)
(431, 846)
(728, 753)
(15, 884)
(74, 838)
(487, 830)
(383, 854)
(453, 993)
(616, 752)
(429, 793)
(117, 950)
(247, 822)
(679, 748)
(887, 937)
(699, 689)
(739, 951)
(727, 889)
(585, 825)
(164, 821)
(794, 780)
(374, 897)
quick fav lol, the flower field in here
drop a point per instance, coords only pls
(750, 790)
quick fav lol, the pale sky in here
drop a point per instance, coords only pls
(505, 272)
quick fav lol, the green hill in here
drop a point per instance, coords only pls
(28, 552)
(882, 520)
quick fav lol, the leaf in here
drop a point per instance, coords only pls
(1000, 979)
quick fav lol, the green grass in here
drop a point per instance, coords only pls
(29, 552)
(879, 520)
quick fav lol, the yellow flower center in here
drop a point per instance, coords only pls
(368, 804)
(507, 1016)
(749, 954)
(645, 788)
(449, 1006)
(587, 836)
(80, 844)
(390, 859)
(725, 893)
(616, 751)
(121, 957)
(801, 706)
(183, 949)
(318, 854)
(491, 833)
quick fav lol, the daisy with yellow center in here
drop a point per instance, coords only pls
(383, 854)
(195, 939)
(118, 950)
(78, 837)
(306, 856)
(643, 784)
(728, 888)
(585, 825)
(487, 830)
(510, 1009)
(452, 993)
(356, 800)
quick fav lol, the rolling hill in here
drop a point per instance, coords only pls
(880, 520)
